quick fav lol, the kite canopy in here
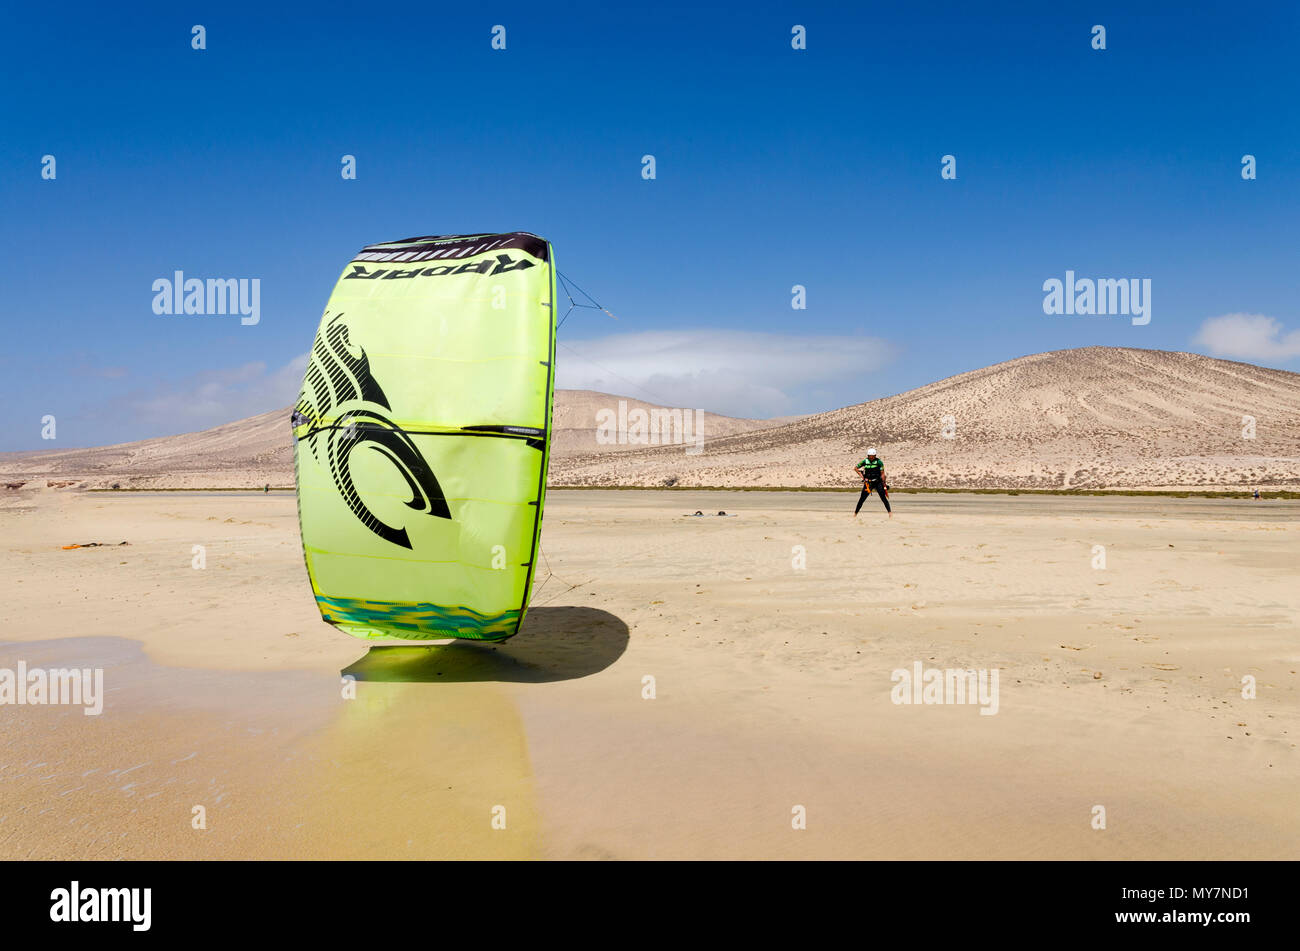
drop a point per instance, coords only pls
(422, 436)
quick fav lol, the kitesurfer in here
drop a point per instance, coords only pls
(872, 472)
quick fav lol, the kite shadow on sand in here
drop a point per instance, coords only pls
(555, 643)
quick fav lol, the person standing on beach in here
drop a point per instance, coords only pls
(872, 472)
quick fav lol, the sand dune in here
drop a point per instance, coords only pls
(579, 415)
(1096, 417)
(258, 450)
(246, 453)
(1087, 418)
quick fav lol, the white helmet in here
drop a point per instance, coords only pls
(871, 452)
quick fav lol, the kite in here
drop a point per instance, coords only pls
(422, 437)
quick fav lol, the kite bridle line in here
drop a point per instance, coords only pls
(549, 575)
(565, 283)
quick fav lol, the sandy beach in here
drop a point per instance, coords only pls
(770, 638)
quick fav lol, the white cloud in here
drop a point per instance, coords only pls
(101, 372)
(736, 373)
(213, 397)
(1248, 336)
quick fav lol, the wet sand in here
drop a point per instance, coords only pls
(770, 638)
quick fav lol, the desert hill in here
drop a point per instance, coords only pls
(258, 450)
(1086, 418)
(1095, 417)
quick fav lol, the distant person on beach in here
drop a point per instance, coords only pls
(872, 472)
(1256, 495)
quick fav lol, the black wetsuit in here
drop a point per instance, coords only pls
(874, 480)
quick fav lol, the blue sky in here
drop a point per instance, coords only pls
(775, 167)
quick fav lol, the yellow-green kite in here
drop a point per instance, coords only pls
(422, 436)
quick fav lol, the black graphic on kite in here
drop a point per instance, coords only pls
(335, 376)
